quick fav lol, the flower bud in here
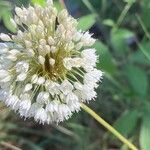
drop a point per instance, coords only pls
(5, 37)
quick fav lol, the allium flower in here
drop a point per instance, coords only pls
(48, 68)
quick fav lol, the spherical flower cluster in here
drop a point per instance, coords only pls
(48, 68)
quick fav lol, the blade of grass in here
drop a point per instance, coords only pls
(89, 6)
(8, 145)
(143, 26)
(123, 14)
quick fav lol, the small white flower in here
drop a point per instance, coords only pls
(30, 52)
(89, 58)
(79, 46)
(33, 109)
(66, 87)
(5, 37)
(78, 86)
(22, 67)
(28, 87)
(52, 107)
(43, 42)
(65, 112)
(53, 49)
(28, 44)
(51, 41)
(21, 77)
(41, 60)
(68, 63)
(53, 88)
(24, 107)
(41, 80)
(52, 61)
(19, 11)
(71, 97)
(77, 36)
(47, 49)
(42, 97)
(74, 106)
(41, 115)
(87, 40)
(13, 54)
(12, 101)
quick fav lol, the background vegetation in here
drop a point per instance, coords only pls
(122, 28)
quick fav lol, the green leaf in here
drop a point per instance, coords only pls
(145, 50)
(137, 79)
(4, 3)
(108, 22)
(40, 2)
(130, 1)
(127, 122)
(106, 61)
(119, 39)
(145, 133)
(145, 13)
(139, 57)
(142, 56)
(86, 22)
(4, 8)
(6, 19)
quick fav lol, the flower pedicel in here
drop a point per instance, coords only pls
(48, 68)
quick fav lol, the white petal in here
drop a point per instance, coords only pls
(5, 37)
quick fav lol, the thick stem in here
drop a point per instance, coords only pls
(108, 127)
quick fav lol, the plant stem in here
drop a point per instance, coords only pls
(89, 6)
(123, 14)
(108, 126)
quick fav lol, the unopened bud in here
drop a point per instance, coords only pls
(52, 61)
(5, 37)
(41, 60)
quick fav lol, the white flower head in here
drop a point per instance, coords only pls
(49, 69)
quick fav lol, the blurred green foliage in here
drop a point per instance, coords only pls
(123, 32)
